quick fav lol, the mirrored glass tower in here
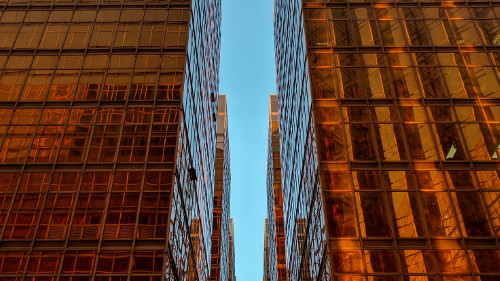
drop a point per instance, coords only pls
(389, 127)
(108, 114)
(276, 256)
(222, 191)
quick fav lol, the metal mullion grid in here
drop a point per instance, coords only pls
(2, 230)
(417, 76)
(84, 56)
(70, 225)
(307, 148)
(110, 190)
(161, 54)
(379, 146)
(477, 98)
(458, 123)
(472, 167)
(77, 192)
(109, 53)
(367, 106)
(65, 35)
(300, 254)
(310, 130)
(379, 171)
(45, 101)
(16, 103)
(481, 106)
(32, 243)
(329, 246)
(167, 254)
(139, 205)
(411, 176)
(85, 160)
(441, 170)
(42, 207)
(25, 161)
(6, 133)
(201, 234)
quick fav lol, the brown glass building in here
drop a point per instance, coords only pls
(107, 139)
(389, 116)
(221, 218)
(276, 255)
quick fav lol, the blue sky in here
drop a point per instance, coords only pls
(248, 77)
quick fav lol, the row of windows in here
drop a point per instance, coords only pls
(116, 87)
(57, 215)
(88, 182)
(91, 2)
(445, 141)
(430, 82)
(398, 59)
(422, 2)
(143, 63)
(431, 180)
(103, 15)
(410, 214)
(412, 262)
(382, 12)
(80, 262)
(42, 145)
(396, 33)
(89, 116)
(98, 35)
(330, 114)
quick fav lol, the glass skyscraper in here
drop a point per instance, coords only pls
(389, 128)
(222, 191)
(276, 256)
(108, 113)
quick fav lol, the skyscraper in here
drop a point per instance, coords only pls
(108, 137)
(232, 252)
(266, 276)
(222, 190)
(389, 127)
(276, 257)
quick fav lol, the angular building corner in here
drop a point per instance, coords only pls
(389, 128)
(108, 115)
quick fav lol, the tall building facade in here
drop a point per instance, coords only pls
(222, 191)
(389, 127)
(266, 275)
(108, 136)
(232, 252)
(276, 256)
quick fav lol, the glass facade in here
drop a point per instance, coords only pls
(107, 139)
(222, 190)
(232, 272)
(266, 275)
(276, 233)
(389, 127)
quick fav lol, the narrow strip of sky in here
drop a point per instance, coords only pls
(247, 77)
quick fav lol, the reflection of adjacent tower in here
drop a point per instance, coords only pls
(107, 139)
(276, 261)
(222, 189)
(390, 116)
